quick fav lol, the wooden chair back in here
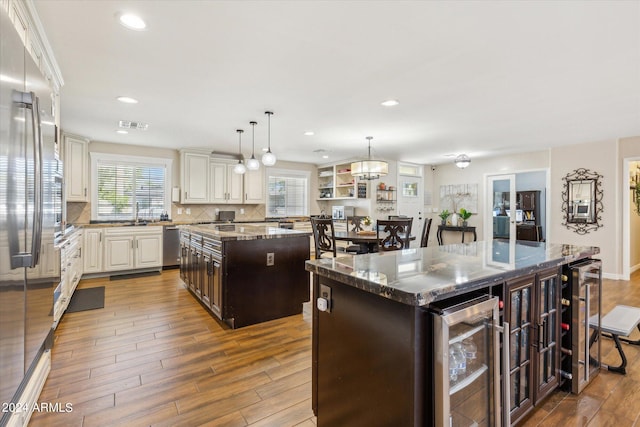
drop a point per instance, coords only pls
(354, 223)
(323, 236)
(394, 234)
(424, 240)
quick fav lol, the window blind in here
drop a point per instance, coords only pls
(287, 196)
(124, 188)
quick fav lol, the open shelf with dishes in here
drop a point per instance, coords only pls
(336, 182)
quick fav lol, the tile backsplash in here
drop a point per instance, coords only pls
(80, 213)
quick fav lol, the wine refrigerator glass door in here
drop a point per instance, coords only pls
(467, 364)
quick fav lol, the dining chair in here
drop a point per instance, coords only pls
(424, 240)
(354, 224)
(394, 234)
(323, 236)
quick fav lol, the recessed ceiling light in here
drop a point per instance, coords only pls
(131, 21)
(309, 133)
(390, 102)
(325, 156)
(127, 100)
(122, 131)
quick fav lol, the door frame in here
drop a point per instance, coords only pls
(626, 218)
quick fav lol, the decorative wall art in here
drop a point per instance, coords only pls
(454, 197)
(582, 201)
(634, 186)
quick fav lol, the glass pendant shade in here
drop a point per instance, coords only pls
(269, 159)
(239, 168)
(369, 169)
(253, 164)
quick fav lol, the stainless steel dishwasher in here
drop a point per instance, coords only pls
(170, 246)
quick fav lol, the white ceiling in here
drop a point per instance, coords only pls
(472, 77)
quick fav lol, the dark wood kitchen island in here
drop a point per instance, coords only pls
(245, 274)
(383, 352)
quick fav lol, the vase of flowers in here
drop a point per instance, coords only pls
(366, 221)
(443, 216)
(465, 215)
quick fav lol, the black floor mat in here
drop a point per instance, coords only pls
(134, 275)
(86, 299)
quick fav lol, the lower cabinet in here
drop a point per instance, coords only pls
(122, 248)
(531, 308)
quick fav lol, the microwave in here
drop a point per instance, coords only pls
(342, 212)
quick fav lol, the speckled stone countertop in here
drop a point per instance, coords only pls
(421, 276)
(242, 232)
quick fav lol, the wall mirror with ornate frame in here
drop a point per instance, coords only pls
(582, 201)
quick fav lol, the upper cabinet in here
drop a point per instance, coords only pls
(194, 177)
(76, 168)
(225, 185)
(207, 180)
(336, 182)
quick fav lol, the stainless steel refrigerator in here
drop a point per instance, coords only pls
(29, 263)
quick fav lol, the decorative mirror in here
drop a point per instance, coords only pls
(582, 201)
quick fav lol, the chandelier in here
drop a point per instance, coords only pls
(369, 169)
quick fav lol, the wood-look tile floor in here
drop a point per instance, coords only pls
(153, 356)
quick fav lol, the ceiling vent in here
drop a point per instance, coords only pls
(127, 124)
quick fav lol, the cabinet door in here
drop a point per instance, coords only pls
(118, 253)
(92, 256)
(519, 314)
(235, 187)
(218, 184)
(215, 283)
(205, 296)
(76, 169)
(195, 182)
(254, 187)
(148, 251)
(528, 200)
(548, 331)
(184, 258)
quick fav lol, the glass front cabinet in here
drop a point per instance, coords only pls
(531, 309)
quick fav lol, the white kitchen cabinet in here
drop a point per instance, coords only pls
(194, 177)
(76, 168)
(92, 257)
(129, 248)
(225, 185)
(254, 187)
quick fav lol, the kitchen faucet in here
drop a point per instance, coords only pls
(137, 211)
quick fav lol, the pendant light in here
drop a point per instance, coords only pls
(268, 158)
(369, 169)
(253, 164)
(462, 161)
(239, 168)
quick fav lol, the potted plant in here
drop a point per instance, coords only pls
(465, 215)
(443, 216)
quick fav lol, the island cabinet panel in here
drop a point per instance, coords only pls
(368, 360)
(531, 308)
(246, 274)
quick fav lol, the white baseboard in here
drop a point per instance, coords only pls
(634, 268)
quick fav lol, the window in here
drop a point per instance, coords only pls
(287, 193)
(126, 186)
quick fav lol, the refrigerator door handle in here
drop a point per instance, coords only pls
(506, 395)
(36, 236)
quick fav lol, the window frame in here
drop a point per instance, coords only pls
(133, 161)
(288, 173)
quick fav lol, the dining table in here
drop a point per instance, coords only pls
(368, 241)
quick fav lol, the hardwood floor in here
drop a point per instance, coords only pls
(153, 356)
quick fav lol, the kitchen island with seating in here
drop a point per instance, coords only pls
(419, 337)
(245, 274)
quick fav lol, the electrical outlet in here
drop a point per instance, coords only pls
(241, 211)
(179, 211)
(270, 259)
(188, 211)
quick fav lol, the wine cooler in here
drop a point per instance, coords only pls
(467, 363)
(581, 307)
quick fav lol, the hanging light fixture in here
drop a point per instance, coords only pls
(462, 161)
(268, 158)
(239, 168)
(253, 164)
(369, 169)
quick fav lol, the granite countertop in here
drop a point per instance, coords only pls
(423, 275)
(173, 222)
(243, 232)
